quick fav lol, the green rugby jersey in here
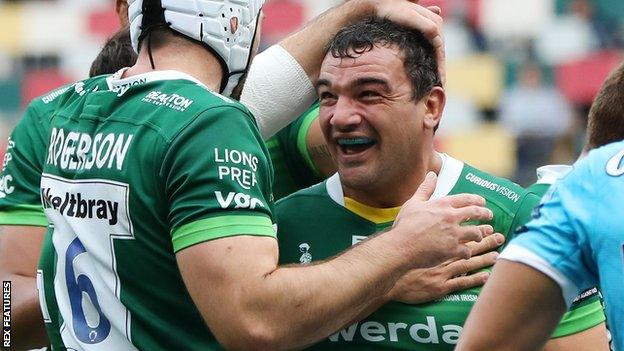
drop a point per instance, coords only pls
(318, 222)
(293, 165)
(20, 202)
(136, 170)
(587, 310)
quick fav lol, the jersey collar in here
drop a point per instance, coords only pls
(552, 173)
(449, 175)
(115, 82)
(447, 178)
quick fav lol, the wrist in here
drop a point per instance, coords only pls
(394, 241)
(358, 9)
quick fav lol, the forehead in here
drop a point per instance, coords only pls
(380, 62)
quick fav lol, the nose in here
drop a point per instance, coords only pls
(345, 114)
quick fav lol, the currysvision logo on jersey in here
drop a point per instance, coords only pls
(172, 101)
(78, 206)
(501, 189)
(77, 151)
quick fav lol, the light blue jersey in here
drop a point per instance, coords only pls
(577, 236)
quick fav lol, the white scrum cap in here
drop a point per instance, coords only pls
(227, 27)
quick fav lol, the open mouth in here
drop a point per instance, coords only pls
(352, 146)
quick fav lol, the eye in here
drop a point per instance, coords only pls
(326, 97)
(369, 95)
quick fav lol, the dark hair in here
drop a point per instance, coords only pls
(116, 54)
(418, 54)
(606, 115)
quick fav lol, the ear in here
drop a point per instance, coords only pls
(121, 7)
(434, 106)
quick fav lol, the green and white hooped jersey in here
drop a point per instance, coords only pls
(319, 222)
(136, 170)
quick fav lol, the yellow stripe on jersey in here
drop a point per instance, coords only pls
(373, 214)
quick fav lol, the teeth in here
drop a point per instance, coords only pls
(354, 141)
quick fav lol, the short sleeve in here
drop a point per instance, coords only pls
(217, 177)
(524, 213)
(556, 239)
(20, 178)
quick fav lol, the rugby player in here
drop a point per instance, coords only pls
(380, 103)
(21, 215)
(152, 177)
(574, 243)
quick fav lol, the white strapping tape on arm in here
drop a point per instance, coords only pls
(277, 90)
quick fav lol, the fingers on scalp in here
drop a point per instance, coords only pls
(435, 9)
(427, 24)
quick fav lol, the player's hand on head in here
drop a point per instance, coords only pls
(432, 230)
(424, 19)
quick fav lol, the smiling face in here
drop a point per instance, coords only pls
(374, 128)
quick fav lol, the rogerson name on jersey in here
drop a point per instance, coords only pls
(77, 151)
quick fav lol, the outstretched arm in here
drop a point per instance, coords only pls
(275, 308)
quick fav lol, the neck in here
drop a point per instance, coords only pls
(397, 191)
(189, 58)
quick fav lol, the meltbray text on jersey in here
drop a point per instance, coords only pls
(77, 151)
(77, 206)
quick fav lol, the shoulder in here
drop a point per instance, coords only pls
(171, 106)
(596, 175)
(607, 161)
(43, 106)
(500, 191)
(305, 197)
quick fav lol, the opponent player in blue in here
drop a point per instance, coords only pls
(575, 241)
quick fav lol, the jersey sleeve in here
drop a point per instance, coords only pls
(218, 179)
(294, 168)
(20, 202)
(524, 213)
(555, 242)
(586, 310)
(293, 139)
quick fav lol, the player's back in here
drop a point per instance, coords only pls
(119, 157)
